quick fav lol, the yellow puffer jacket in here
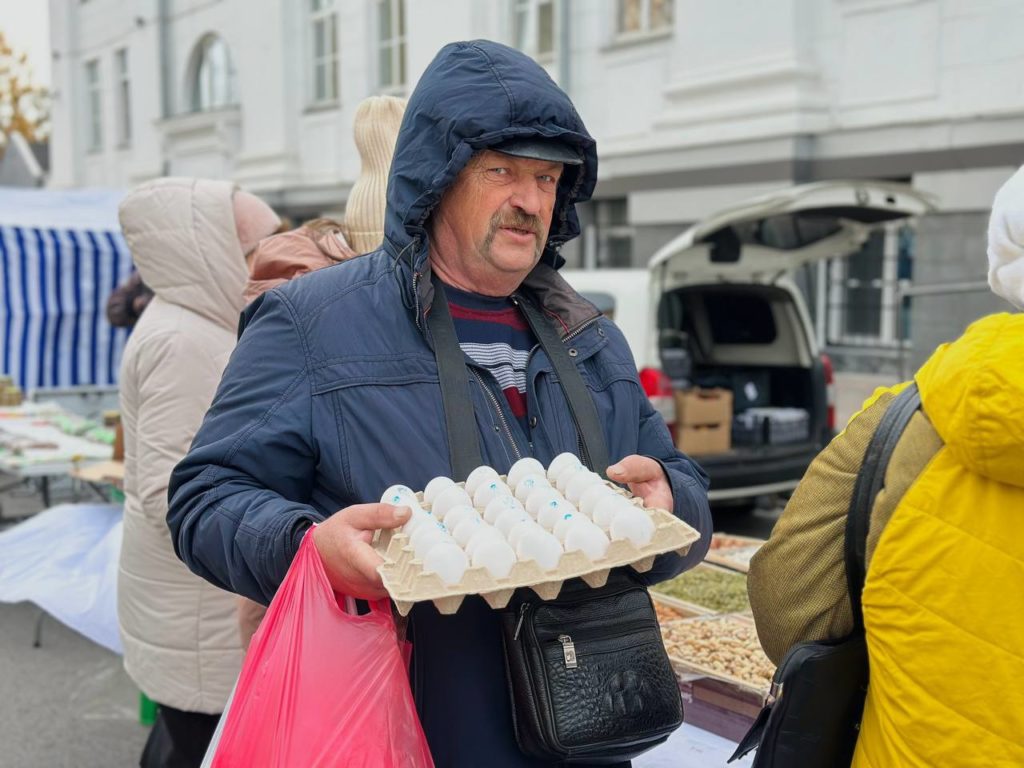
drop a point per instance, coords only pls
(944, 595)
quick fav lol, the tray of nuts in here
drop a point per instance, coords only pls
(709, 587)
(672, 608)
(732, 551)
(724, 647)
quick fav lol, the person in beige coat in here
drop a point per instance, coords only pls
(189, 239)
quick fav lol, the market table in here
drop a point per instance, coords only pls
(33, 446)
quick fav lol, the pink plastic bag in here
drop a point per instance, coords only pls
(321, 687)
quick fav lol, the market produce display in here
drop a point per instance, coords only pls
(715, 588)
(37, 434)
(733, 552)
(533, 528)
(720, 646)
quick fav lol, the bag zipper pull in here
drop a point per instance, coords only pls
(568, 651)
(519, 624)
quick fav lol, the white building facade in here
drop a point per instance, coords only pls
(695, 104)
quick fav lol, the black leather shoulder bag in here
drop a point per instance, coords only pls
(589, 678)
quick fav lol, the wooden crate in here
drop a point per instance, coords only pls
(718, 706)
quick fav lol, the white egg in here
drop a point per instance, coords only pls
(593, 494)
(466, 528)
(634, 525)
(447, 561)
(540, 546)
(567, 474)
(496, 556)
(507, 519)
(529, 484)
(579, 482)
(426, 536)
(499, 504)
(549, 515)
(450, 497)
(479, 536)
(541, 497)
(487, 491)
(589, 539)
(417, 519)
(457, 514)
(568, 520)
(479, 476)
(400, 495)
(606, 508)
(434, 487)
(519, 529)
(560, 462)
(522, 468)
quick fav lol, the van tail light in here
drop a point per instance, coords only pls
(658, 388)
(830, 391)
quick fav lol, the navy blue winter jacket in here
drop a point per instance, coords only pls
(332, 395)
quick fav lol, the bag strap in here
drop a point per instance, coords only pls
(870, 480)
(581, 404)
(459, 418)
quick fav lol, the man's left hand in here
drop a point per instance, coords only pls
(646, 479)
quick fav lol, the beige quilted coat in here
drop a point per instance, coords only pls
(180, 633)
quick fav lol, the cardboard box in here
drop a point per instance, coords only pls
(703, 407)
(698, 440)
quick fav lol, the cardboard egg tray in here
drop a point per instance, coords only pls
(407, 583)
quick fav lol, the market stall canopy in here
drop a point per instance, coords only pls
(61, 255)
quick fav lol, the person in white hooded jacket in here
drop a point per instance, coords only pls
(189, 239)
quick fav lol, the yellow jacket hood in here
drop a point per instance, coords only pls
(972, 390)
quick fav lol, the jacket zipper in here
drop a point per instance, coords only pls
(501, 415)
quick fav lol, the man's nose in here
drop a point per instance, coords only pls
(526, 197)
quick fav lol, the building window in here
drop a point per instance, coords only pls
(94, 96)
(864, 290)
(124, 98)
(644, 16)
(212, 82)
(391, 51)
(324, 20)
(533, 27)
(614, 234)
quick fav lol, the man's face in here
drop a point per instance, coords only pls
(496, 215)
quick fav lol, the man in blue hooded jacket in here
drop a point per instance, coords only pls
(332, 394)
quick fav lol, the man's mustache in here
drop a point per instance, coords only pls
(517, 221)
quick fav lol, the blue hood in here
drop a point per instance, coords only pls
(475, 95)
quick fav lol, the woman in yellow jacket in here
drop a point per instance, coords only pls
(944, 594)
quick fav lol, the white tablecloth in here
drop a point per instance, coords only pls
(692, 747)
(65, 561)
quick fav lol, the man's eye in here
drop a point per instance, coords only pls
(546, 179)
(499, 171)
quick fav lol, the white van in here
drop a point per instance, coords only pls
(723, 305)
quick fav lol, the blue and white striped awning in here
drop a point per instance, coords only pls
(56, 274)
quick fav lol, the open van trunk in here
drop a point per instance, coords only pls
(749, 339)
(726, 313)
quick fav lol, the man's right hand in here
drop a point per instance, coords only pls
(343, 541)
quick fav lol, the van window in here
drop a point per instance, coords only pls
(740, 318)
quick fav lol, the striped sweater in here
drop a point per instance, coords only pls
(494, 334)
